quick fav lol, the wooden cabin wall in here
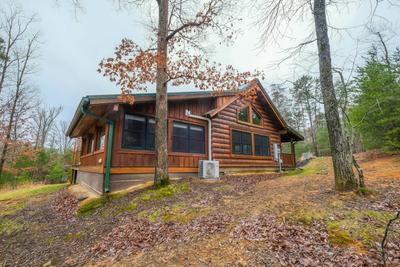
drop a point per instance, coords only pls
(122, 157)
(226, 120)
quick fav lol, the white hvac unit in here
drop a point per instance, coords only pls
(209, 169)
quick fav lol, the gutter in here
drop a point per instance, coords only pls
(84, 110)
(190, 115)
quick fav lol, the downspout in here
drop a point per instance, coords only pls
(190, 115)
(108, 156)
(85, 111)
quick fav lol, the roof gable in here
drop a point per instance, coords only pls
(253, 89)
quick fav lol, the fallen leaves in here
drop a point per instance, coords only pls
(65, 205)
(243, 183)
(134, 235)
(297, 245)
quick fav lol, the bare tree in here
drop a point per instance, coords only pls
(278, 14)
(24, 67)
(305, 94)
(64, 142)
(2, 56)
(14, 28)
(44, 121)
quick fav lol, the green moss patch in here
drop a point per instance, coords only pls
(9, 226)
(90, 206)
(367, 226)
(12, 209)
(316, 166)
(70, 237)
(151, 215)
(306, 216)
(364, 191)
(164, 192)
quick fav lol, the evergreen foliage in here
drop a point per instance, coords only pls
(376, 112)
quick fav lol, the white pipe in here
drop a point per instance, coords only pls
(189, 114)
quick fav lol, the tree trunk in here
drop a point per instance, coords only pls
(313, 129)
(8, 133)
(345, 179)
(161, 170)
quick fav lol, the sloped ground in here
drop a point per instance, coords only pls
(256, 220)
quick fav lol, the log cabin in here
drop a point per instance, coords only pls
(115, 141)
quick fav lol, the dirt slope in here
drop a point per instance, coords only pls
(257, 220)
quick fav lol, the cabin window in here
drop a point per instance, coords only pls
(249, 115)
(100, 139)
(90, 144)
(188, 138)
(244, 114)
(255, 118)
(261, 145)
(138, 132)
(241, 143)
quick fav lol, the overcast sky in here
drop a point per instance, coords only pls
(72, 46)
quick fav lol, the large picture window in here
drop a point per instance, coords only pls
(188, 138)
(241, 143)
(261, 145)
(138, 132)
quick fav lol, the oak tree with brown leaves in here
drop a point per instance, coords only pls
(175, 57)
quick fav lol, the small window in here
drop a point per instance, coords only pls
(90, 144)
(241, 143)
(244, 114)
(261, 145)
(138, 132)
(188, 138)
(180, 137)
(100, 139)
(255, 118)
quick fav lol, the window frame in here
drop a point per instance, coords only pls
(145, 147)
(252, 110)
(241, 143)
(253, 155)
(100, 133)
(189, 140)
(249, 119)
(268, 145)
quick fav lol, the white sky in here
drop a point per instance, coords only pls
(73, 46)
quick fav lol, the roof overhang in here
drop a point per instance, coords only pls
(98, 103)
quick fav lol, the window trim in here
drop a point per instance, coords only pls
(100, 131)
(171, 134)
(251, 110)
(249, 114)
(268, 145)
(136, 148)
(252, 156)
(251, 143)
